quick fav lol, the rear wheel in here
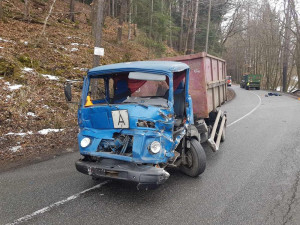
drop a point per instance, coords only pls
(196, 160)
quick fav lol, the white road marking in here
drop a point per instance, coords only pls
(53, 205)
(249, 113)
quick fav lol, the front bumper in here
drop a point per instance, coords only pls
(145, 176)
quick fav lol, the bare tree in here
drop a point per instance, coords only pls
(286, 45)
(195, 26)
(97, 21)
(72, 10)
(122, 9)
(129, 19)
(26, 10)
(47, 17)
(297, 34)
(113, 8)
(151, 19)
(1, 10)
(181, 25)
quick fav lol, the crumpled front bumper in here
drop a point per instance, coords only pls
(145, 176)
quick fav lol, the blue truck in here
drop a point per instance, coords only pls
(136, 119)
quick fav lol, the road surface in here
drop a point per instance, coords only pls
(253, 179)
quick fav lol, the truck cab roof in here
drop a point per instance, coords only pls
(157, 67)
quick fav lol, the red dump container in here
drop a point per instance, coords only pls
(207, 81)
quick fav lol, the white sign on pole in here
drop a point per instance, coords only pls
(99, 51)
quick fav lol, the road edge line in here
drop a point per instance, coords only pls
(249, 113)
(53, 205)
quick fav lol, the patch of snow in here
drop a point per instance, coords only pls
(50, 77)
(278, 88)
(63, 47)
(1, 47)
(69, 37)
(19, 134)
(31, 114)
(74, 49)
(4, 40)
(84, 69)
(8, 97)
(1, 78)
(46, 131)
(14, 87)
(27, 69)
(74, 44)
(15, 149)
(45, 106)
(86, 45)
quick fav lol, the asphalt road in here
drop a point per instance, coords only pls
(253, 179)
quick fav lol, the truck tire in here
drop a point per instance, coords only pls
(246, 87)
(196, 160)
(258, 88)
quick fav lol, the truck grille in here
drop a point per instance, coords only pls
(120, 144)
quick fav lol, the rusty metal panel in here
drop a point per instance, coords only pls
(207, 81)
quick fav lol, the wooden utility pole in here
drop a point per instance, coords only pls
(208, 27)
(195, 26)
(97, 21)
(286, 45)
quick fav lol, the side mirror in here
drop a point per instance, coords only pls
(68, 92)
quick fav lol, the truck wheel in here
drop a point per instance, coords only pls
(258, 88)
(196, 160)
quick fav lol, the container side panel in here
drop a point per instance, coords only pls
(215, 69)
(208, 69)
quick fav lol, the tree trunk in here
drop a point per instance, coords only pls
(170, 8)
(72, 9)
(113, 8)
(151, 19)
(286, 45)
(26, 11)
(208, 27)
(129, 19)
(98, 20)
(121, 19)
(181, 25)
(1, 10)
(195, 26)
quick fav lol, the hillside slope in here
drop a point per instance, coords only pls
(34, 118)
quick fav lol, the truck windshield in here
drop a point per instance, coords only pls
(122, 90)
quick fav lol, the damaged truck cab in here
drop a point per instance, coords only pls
(136, 119)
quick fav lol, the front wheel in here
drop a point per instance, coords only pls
(196, 160)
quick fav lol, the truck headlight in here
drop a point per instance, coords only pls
(85, 142)
(155, 147)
